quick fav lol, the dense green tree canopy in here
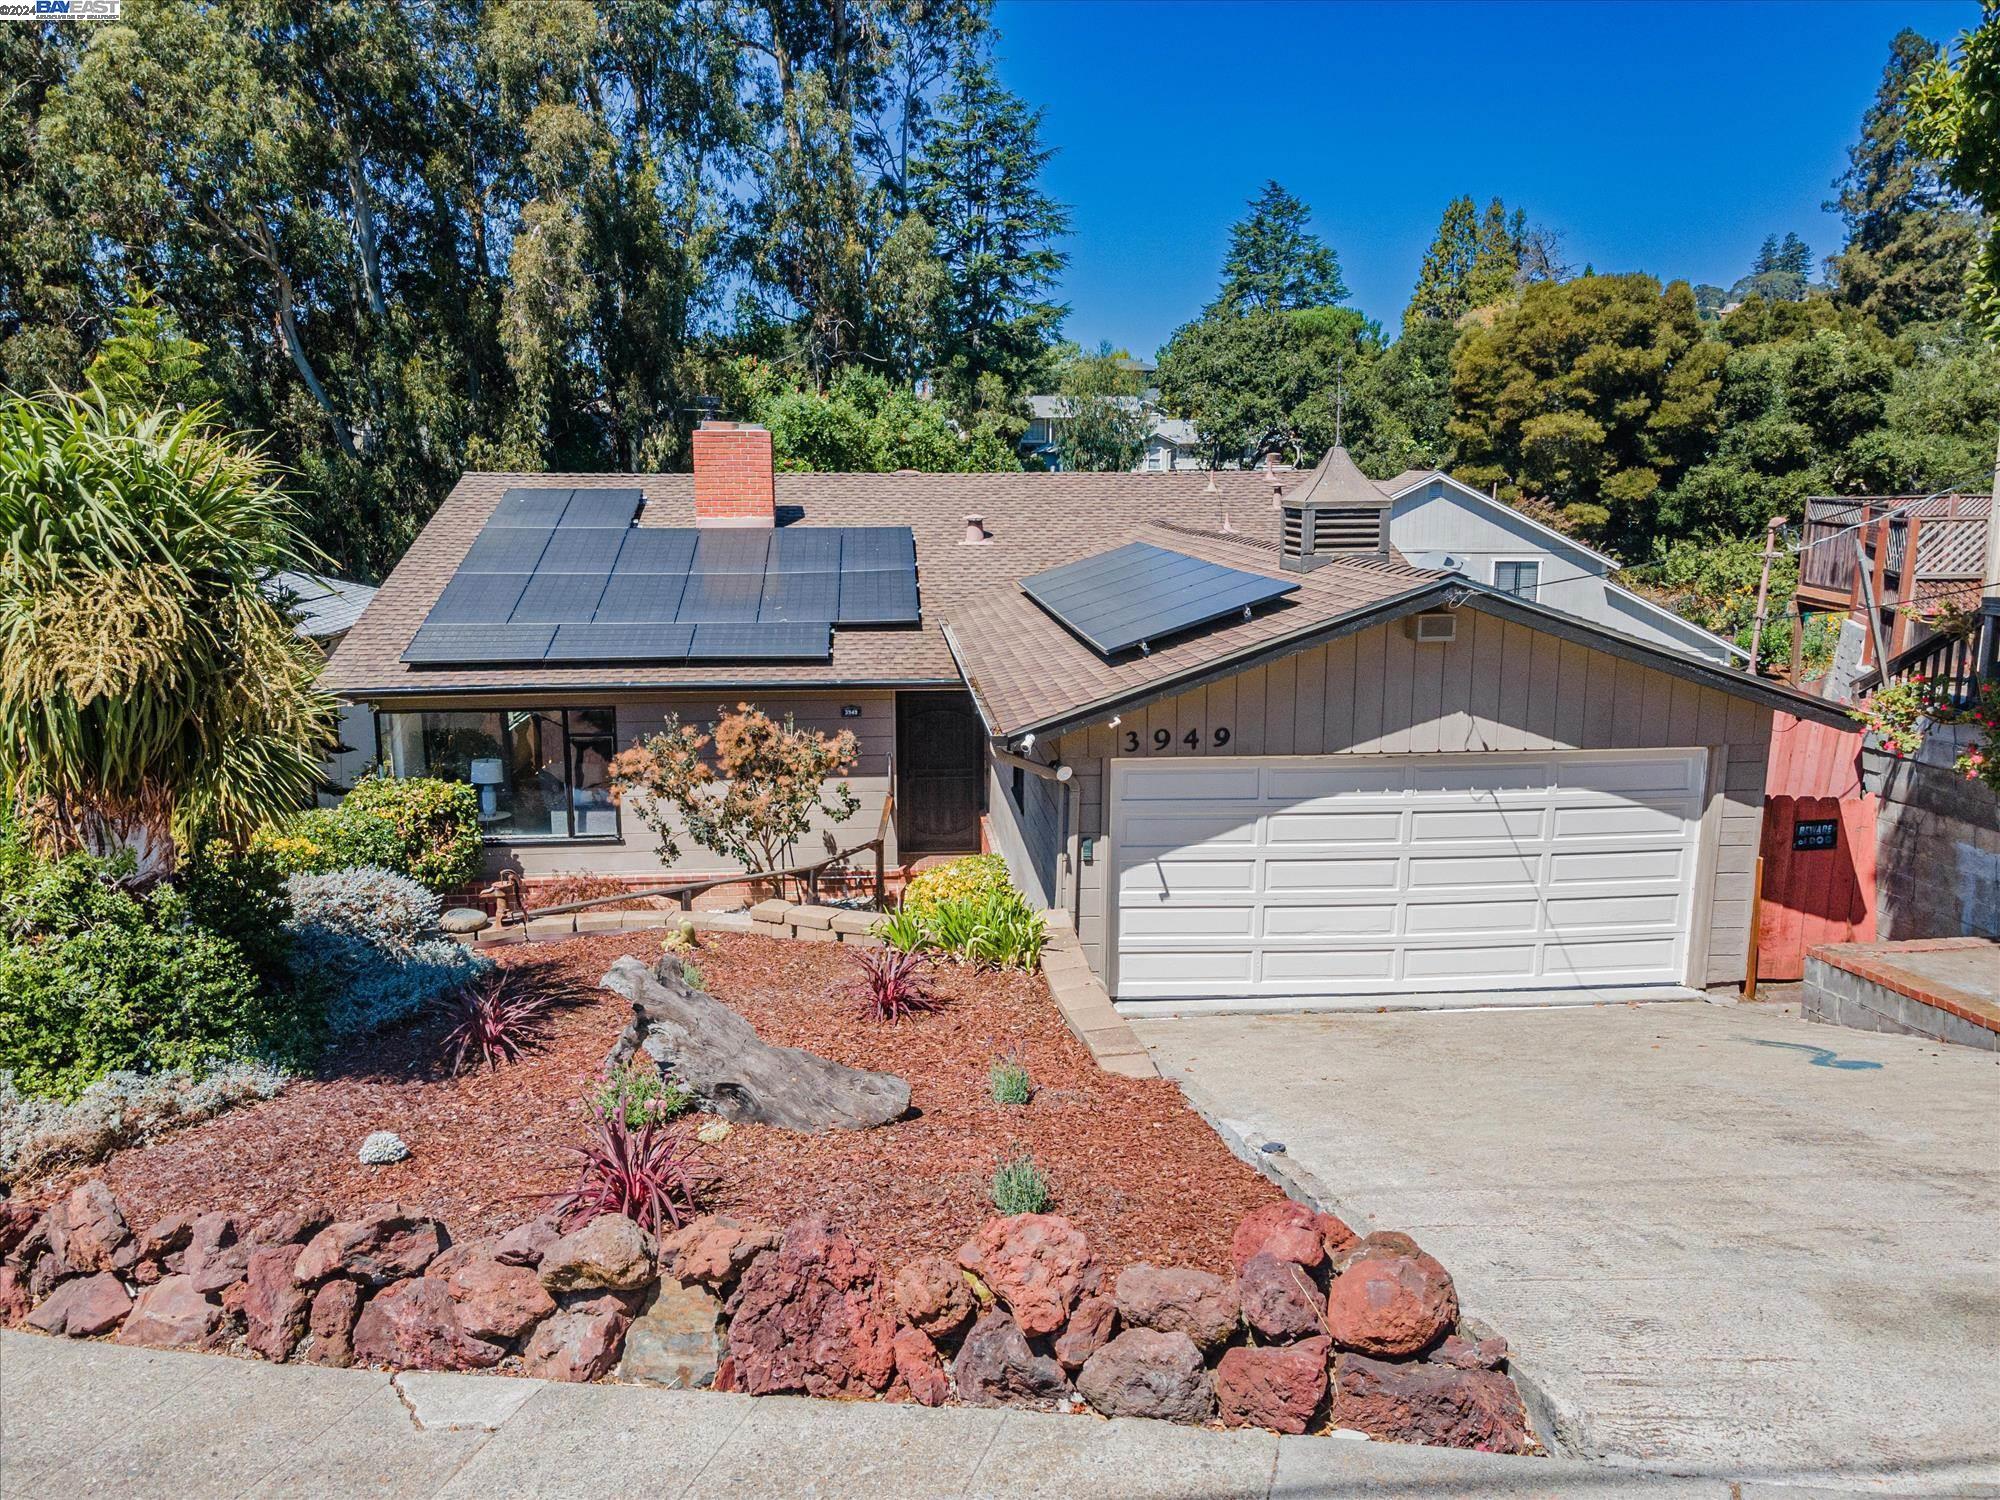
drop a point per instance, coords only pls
(1101, 422)
(1275, 263)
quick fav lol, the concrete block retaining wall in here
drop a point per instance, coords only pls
(1859, 985)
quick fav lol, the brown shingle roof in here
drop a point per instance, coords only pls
(1027, 671)
(1036, 521)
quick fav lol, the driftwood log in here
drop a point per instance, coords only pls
(718, 1057)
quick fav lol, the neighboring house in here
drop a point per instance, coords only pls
(1257, 754)
(1171, 443)
(1442, 523)
(327, 609)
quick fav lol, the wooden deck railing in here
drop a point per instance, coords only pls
(1959, 664)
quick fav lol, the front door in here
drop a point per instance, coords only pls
(940, 773)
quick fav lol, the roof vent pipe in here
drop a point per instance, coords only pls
(976, 534)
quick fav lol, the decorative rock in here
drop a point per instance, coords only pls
(464, 919)
(1333, 1233)
(381, 1148)
(1176, 1299)
(525, 1244)
(931, 1296)
(290, 1226)
(413, 1325)
(1279, 1298)
(219, 1270)
(387, 1243)
(1461, 1353)
(274, 1305)
(809, 1316)
(577, 1344)
(335, 1307)
(171, 1314)
(713, 1132)
(17, 1221)
(1278, 1388)
(1088, 1330)
(496, 1302)
(1038, 1264)
(94, 1231)
(159, 1248)
(922, 1371)
(1147, 1373)
(1285, 1230)
(610, 1253)
(83, 1307)
(14, 1298)
(1430, 1403)
(995, 1367)
(714, 1250)
(676, 1340)
(209, 1236)
(1383, 1244)
(734, 1072)
(1393, 1304)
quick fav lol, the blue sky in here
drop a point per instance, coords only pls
(1662, 138)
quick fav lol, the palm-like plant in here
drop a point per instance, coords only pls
(147, 687)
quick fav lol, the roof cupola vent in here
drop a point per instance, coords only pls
(1338, 512)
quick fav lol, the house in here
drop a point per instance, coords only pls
(325, 609)
(1171, 442)
(1443, 523)
(1256, 752)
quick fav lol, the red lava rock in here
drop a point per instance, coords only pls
(579, 1343)
(931, 1295)
(274, 1305)
(335, 1306)
(1430, 1403)
(1037, 1264)
(996, 1367)
(83, 1307)
(1088, 1330)
(1174, 1299)
(290, 1226)
(495, 1301)
(1392, 1304)
(1462, 1353)
(1145, 1372)
(413, 1325)
(232, 1298)
(171, 1314)
(1333, 1233)
(14, 1298)
(1383, 1244)
(208, 1236)
(610, 1253)
(221, 1270)
(809, 1316)
(713, 1250)
(94, 1231)
(387, 1243)
(1280, 1300)
(922, 1371)
(16, 1222)
(1275, 1387)
(524, 1244)
(1285, 1230)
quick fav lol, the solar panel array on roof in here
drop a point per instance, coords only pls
(563, 575)
(1139, 593)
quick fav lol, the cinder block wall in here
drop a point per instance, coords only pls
(1938, 845)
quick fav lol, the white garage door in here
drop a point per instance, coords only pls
(1342, 875)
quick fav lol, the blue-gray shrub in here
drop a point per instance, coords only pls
(368, 940)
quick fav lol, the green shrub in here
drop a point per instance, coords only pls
(970, 910)
(1020, 1187)
(903, 931)
(417, 826)
(973, 879)
(692, 976)
(1008, 1082)
(367, 941)
(632, 1094)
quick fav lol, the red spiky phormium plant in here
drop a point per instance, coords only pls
(649, 1172)
(496, 1019)
(891, 984)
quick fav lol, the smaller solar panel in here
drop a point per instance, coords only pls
(805, 549)
(641, 596)
(559, 598)
(529, 508)
(605, 642)
(506, 549)
(478, 645)
(732, 551)
(763, 642)
(612, 508)
(799, 596)
(591, 549)
(1140, 592)
(870, 548)
(720, 598)
(655, 549)
(478, 599)
(883, 596)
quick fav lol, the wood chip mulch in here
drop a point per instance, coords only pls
(1132, 1165)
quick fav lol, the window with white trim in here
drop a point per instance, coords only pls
(1519, 578)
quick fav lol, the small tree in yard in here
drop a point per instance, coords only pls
(752, 799)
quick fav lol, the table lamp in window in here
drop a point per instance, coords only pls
(488, 776)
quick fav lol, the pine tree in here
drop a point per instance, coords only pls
(978, 185)
(1496, 257)
(1441, 281)
(1275, 263)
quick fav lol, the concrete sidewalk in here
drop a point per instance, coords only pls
(97, 1419)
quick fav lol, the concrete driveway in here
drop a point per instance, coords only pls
(1716, 1248)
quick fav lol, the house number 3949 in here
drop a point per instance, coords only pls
(1163, 739)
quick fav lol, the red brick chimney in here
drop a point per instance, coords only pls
(732, 476)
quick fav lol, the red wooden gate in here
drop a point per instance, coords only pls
(1819, 846)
